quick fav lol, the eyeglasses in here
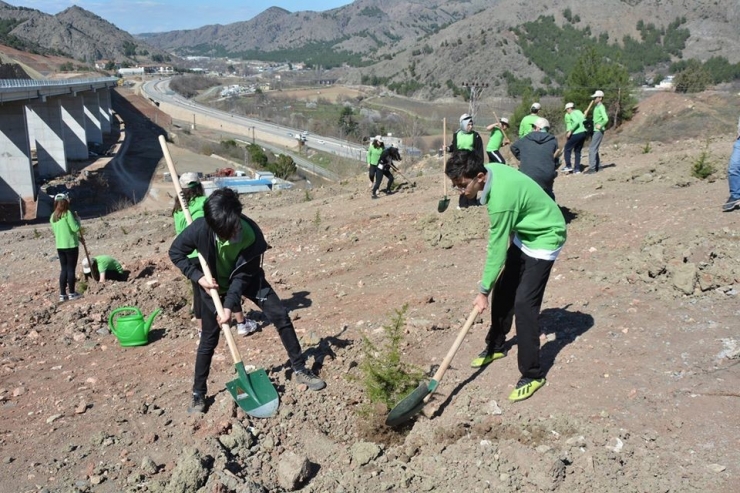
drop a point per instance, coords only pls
(464, 189)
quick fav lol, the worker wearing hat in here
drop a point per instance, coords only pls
(535, 153)
(600, 120)
(527, 123)
(496, 140)
(575, 134)
(466, 139)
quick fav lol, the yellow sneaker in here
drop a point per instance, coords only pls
(525, 388)
(486, 357)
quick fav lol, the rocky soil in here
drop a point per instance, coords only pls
(639, 338)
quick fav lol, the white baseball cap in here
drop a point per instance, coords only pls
(464, 117)
(189, 179)
(598, 94)
(85, 266)
(536, 106)
(542, 123)
(379, 138)
(504, 120)
(569, 106)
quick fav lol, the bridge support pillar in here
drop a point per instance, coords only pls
(93, 129)
(73, 119)
(16, 172)
(45, 128)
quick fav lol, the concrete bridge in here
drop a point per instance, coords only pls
(53, 120)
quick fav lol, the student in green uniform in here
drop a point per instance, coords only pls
(527, 123)
(516, 272)
(104, 267)
(467, 139)
(195, 197)
(575, 134)
(373, 156)
(232, 245)
(600, 120)
(496, 140)
(66, 227)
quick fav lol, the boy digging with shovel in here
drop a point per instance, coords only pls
(232, 245)
(518, 208)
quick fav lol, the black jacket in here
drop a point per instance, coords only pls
(198, 236)
(477, 145)
(535, 153)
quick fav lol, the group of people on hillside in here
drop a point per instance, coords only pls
(526, 234)
(537, 149)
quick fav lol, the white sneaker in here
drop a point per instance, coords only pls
(248, 327)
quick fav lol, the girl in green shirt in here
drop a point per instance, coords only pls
(66, 227)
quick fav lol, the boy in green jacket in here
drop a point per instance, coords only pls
(520, 210)
(600, 120)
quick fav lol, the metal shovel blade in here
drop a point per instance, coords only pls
(253, 392)
(443, 204)
(410, 405)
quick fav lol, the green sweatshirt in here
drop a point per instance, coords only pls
(495, 140)
(196, 210)
(600, 118)
(106, 263)
(520, 207)
(66, 231)
(373, 155)
(526, 125)
(574, 122)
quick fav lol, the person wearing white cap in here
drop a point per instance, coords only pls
(600, 120)
(575, 134)
(373, 156)
(195, 197)
(466, 139)
(536, 155)
(527, 123)
(66, 228)
(496, 140)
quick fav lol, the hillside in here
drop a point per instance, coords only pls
(75, 33)
(639, 339)
(441, 40)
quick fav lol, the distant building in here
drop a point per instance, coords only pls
(131, 71)
(101, 64)
(666, 84)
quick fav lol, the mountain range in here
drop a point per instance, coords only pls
(427, 41)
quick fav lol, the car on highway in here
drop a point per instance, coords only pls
(321, 142)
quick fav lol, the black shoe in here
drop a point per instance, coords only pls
(589, 171)
(198, 405)
(308, 378)
(388, 191)
(375, 196)
(731, 205)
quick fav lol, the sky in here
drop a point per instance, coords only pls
(144, 16)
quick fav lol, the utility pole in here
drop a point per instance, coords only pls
(476, 89)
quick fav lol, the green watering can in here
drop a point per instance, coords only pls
(131, 330)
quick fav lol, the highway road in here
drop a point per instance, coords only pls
(159, 91)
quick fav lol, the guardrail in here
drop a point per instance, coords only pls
(32, 83)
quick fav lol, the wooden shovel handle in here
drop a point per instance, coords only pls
(585, 113)
(456, 345)
(203, 265)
